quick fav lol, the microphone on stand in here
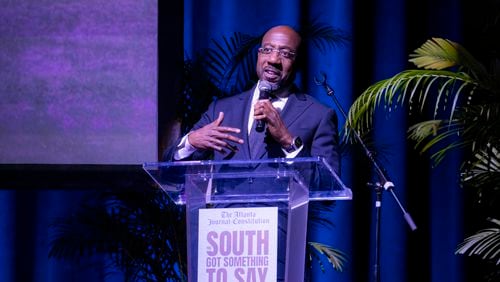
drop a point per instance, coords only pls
(379, 187)
(265, 89)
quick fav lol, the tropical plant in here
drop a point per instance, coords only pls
(484, 243)
(465, 102)
(141, 230)
(335, 257)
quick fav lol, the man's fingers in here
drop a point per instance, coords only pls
(228, 129)
(235, 139)
(260, 116)
(263, 110)
(225, 132)
(230, 137)
(215, 136)
(219, 119)
(220, 145)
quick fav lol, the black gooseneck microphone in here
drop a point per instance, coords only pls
(265, 88)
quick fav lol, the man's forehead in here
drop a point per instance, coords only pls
(279, 38)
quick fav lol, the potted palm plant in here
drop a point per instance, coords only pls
(464, 98)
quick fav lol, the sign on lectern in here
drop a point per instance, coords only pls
(247, 220)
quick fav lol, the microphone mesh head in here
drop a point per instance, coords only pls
(265, 87)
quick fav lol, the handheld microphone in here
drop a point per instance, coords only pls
(265, 89)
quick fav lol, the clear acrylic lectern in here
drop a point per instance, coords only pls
(247, 220)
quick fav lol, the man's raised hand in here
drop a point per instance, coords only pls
(213, 136)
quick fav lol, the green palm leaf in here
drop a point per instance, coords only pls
(335, 257)
(439, 54)
(411, 87)
(463, 97)
(481, 123)
(476, 126)
(485, 243)
(482, 173)
(435, 133)
(464, 101)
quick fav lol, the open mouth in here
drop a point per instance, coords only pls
(272, 74)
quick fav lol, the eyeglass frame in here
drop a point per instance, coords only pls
(281, 52)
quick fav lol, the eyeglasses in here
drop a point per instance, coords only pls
(284, 53)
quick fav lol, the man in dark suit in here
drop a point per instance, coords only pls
(297, 125)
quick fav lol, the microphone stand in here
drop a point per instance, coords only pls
(384, 183)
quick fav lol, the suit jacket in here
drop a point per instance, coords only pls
(303, 115)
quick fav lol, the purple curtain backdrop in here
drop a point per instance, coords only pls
(78, 82)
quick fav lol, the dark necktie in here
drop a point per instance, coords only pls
(256, 141)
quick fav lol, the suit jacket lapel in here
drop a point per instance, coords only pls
(294, 107)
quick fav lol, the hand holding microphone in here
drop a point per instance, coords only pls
(265, 88)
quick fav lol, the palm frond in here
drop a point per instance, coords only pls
(432, 85)
(487, 161)
(324, 36)
(436, 53)
(439, 54)
(410, 87)
(475, 127)
(424, 130)
(485, 243)
(335, 257)
(481, 123)
(463, 99)
(482, 173)
(437, 134)
(231, 62)
(135, 229)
